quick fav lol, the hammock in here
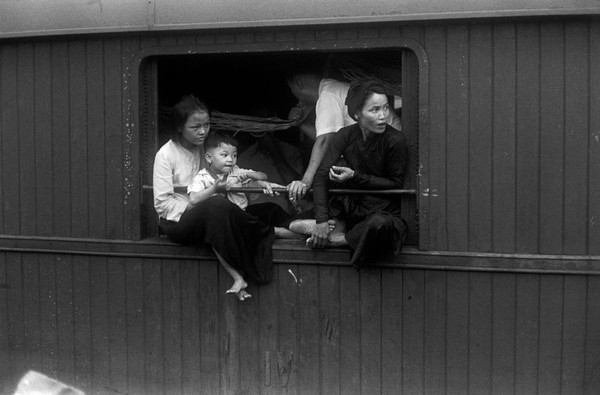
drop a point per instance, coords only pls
(356, 69)
(242, 123)
(246, 123)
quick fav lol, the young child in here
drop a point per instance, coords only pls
(220, 175)
(223, 173)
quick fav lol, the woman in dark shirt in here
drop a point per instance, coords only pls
(375, 156)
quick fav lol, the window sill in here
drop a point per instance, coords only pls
(295, 252)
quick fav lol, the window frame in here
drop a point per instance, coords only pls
(148, 111)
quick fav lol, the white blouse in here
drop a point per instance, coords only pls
(174, 167)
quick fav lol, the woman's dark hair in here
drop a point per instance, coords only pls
(216, 138)
(359, 92)
(188, 105)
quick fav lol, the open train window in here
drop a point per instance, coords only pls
(255, 85)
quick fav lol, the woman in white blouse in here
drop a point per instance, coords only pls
(241, 243)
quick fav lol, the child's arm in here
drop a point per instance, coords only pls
(256, 176)
(219, 186)
(258, 179)
(266, 186)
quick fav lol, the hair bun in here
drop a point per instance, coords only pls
(358, 93)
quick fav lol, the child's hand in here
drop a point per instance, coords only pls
(268, 187)
(222, 186)
(244, 177)
(232, 182)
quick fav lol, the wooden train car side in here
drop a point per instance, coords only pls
(499, 292)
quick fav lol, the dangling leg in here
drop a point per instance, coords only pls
(244, 244)
(239, 284)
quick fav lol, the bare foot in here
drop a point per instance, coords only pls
(243, 295)
(307, 226)
(332, 224)
(238, 285)
(302, 226)
(337, 240)
(283, 233)
(333, 240)
(340, 227)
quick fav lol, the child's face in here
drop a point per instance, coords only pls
(222, 159)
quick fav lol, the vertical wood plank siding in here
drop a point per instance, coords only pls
(593, 202)
(511, 165)
(513, 133)
(166, 326)
(63, 139)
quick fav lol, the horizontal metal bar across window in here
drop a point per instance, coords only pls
(337, 191)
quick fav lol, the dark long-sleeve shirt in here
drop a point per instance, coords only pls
(378, 163)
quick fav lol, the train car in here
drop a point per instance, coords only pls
(497, 289)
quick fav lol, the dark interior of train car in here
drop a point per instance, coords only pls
(255, 84)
